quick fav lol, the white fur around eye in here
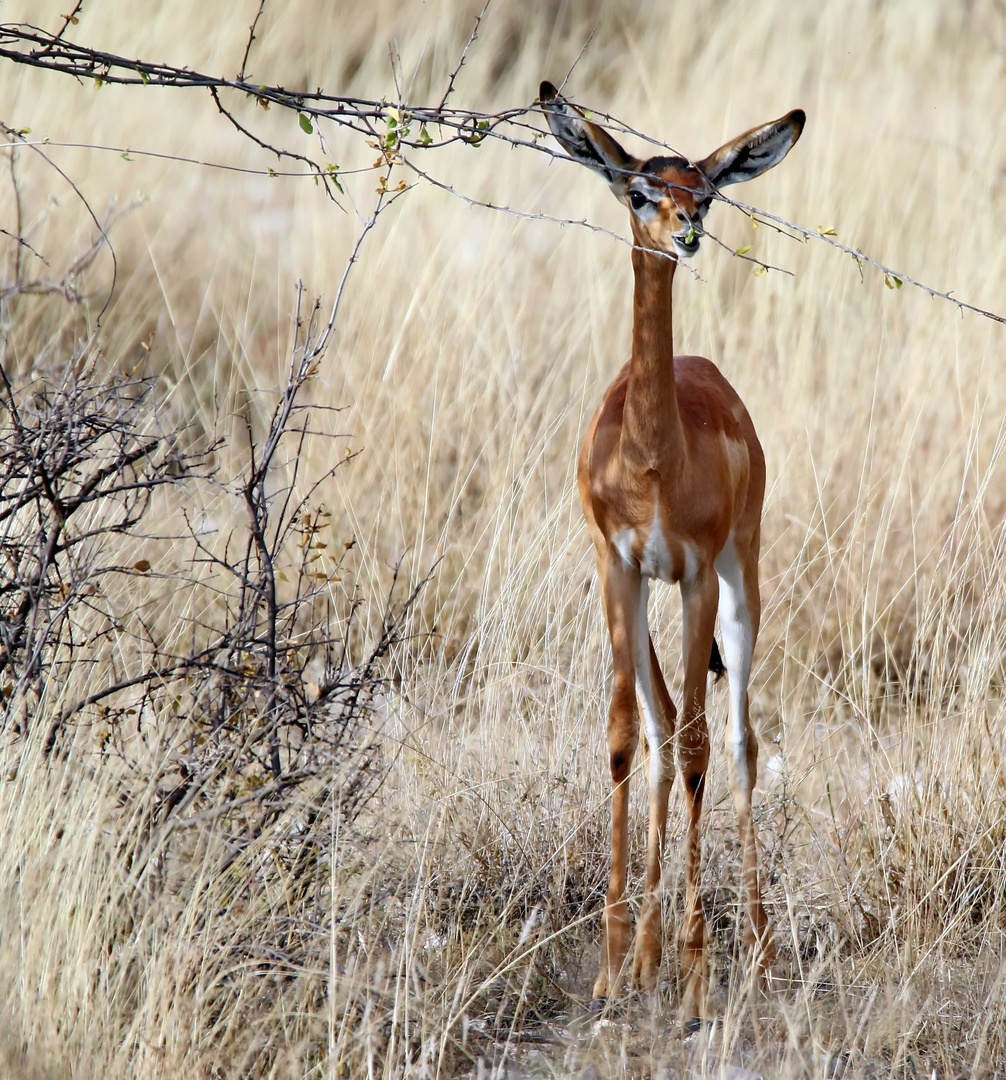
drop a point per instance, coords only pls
(646, 211)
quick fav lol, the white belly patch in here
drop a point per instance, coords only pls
(656, 559)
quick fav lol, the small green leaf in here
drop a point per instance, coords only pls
(424, 136)
(760, 271)
(392, 135)
(691, 235)
(333, 175)
(897, 282)
(743, 249)
(826, 230)
(305, 124)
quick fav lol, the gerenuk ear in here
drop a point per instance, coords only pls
(754, 152)
(586, 142)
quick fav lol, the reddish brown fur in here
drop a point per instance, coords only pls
(672, 449)
(614, 498)
(700, 497)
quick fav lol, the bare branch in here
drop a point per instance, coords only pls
(464, 53)
(128, 152)
(859, 256)
(744, 255)
(251, 39)
(539, 215)
(20, 240)
(28, 45)
(280, 153)
(69, 20)
(579, 57)
(66, 284)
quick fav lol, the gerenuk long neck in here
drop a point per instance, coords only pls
(651, 425)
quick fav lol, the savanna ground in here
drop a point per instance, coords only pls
(450, 924)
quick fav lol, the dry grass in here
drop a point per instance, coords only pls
(458, 922)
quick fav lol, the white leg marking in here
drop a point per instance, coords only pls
(623, 545)
(735, 627)
(644, 687)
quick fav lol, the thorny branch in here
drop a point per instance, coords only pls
(72, 20)
(860, 257)
(251, 39)
(395, 129)
(464, 55)
(23, 44)
(280, 152)
(70, 450)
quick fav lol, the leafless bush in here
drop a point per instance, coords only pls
(80, 459)
(178, 625)
(236, 740)
(271, 692)
(278, 693)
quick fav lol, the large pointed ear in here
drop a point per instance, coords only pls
(754, 152)
(586, 142)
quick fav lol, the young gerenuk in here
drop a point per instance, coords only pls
(671, 478)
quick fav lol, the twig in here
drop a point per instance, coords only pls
(579, 57)
(24, 243)
(144, 679)
(464, 53)
(813, 234)
(129, 151)
(385, 199)
(251, 38)
(68, 20)
(16, 135)
(539, 215)
(280, 153)
(18, 213)
(743, 255)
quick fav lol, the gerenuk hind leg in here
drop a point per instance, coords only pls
(740, 610)
(699, 618)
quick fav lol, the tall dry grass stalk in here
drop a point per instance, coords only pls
(455, 926)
